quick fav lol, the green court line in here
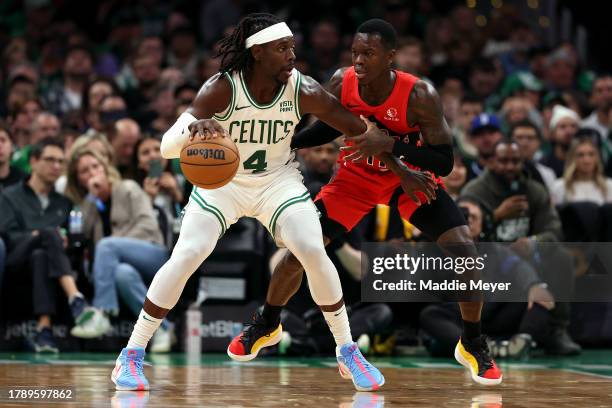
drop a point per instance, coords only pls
(590, 362)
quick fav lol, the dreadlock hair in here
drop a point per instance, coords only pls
(232, 49)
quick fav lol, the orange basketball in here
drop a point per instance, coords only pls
(210, 163)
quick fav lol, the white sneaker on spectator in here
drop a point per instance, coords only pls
(363, 342)
(284, 343)
(93, 327)
(162, 341)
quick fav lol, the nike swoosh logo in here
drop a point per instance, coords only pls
(339, 312)
(145, 317)
(242, 107)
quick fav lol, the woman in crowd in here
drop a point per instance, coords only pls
(583, 178)
(154, 174)
(93, 141)
(93, 94)
(119, 220)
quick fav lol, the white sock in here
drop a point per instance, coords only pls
(143, 330)
(339, 326)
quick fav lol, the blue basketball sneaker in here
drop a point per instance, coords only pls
(128, 374)
(353, 365)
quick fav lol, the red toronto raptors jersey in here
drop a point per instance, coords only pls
(390, 115)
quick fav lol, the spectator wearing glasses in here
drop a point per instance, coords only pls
(32, 215)
(44, 125)
(529, 139)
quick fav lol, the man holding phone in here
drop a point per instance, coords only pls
(521, 208)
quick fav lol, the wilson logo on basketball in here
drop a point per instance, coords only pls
(392, 115)
(217, 154)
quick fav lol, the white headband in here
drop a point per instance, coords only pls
(274, 32)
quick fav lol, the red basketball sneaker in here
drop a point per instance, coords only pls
(474, 355)
(255, 336)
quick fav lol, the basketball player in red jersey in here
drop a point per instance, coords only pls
(410, 110)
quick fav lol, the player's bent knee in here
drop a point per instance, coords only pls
(308, 252)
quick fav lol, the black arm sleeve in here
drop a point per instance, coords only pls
(436, 158)
(317, 134)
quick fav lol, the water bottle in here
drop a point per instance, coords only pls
(193, 335)
(193, 325)
(75, 227)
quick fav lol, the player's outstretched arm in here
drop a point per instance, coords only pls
(320, 133)
(324, 104)
(214, 96)
(316, 100)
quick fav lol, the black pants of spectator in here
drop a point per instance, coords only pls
(43, 259)
(555, 265)
(441, 324)
(310, 333)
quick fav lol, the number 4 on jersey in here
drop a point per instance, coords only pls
(257, 162)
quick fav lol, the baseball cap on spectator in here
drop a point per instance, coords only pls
(484, 121)
(561, 112)
(553, 98)
(521, 81)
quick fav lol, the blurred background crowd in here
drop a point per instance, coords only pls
(89, 210)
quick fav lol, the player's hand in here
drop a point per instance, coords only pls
(206, 129)
(511, 208)
(540, 295)
(372, 142)
(415, 180)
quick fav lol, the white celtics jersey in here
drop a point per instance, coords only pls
(262, 132)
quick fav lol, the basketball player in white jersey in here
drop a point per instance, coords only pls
(257, 99)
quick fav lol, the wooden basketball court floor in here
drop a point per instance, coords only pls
(214, 381)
